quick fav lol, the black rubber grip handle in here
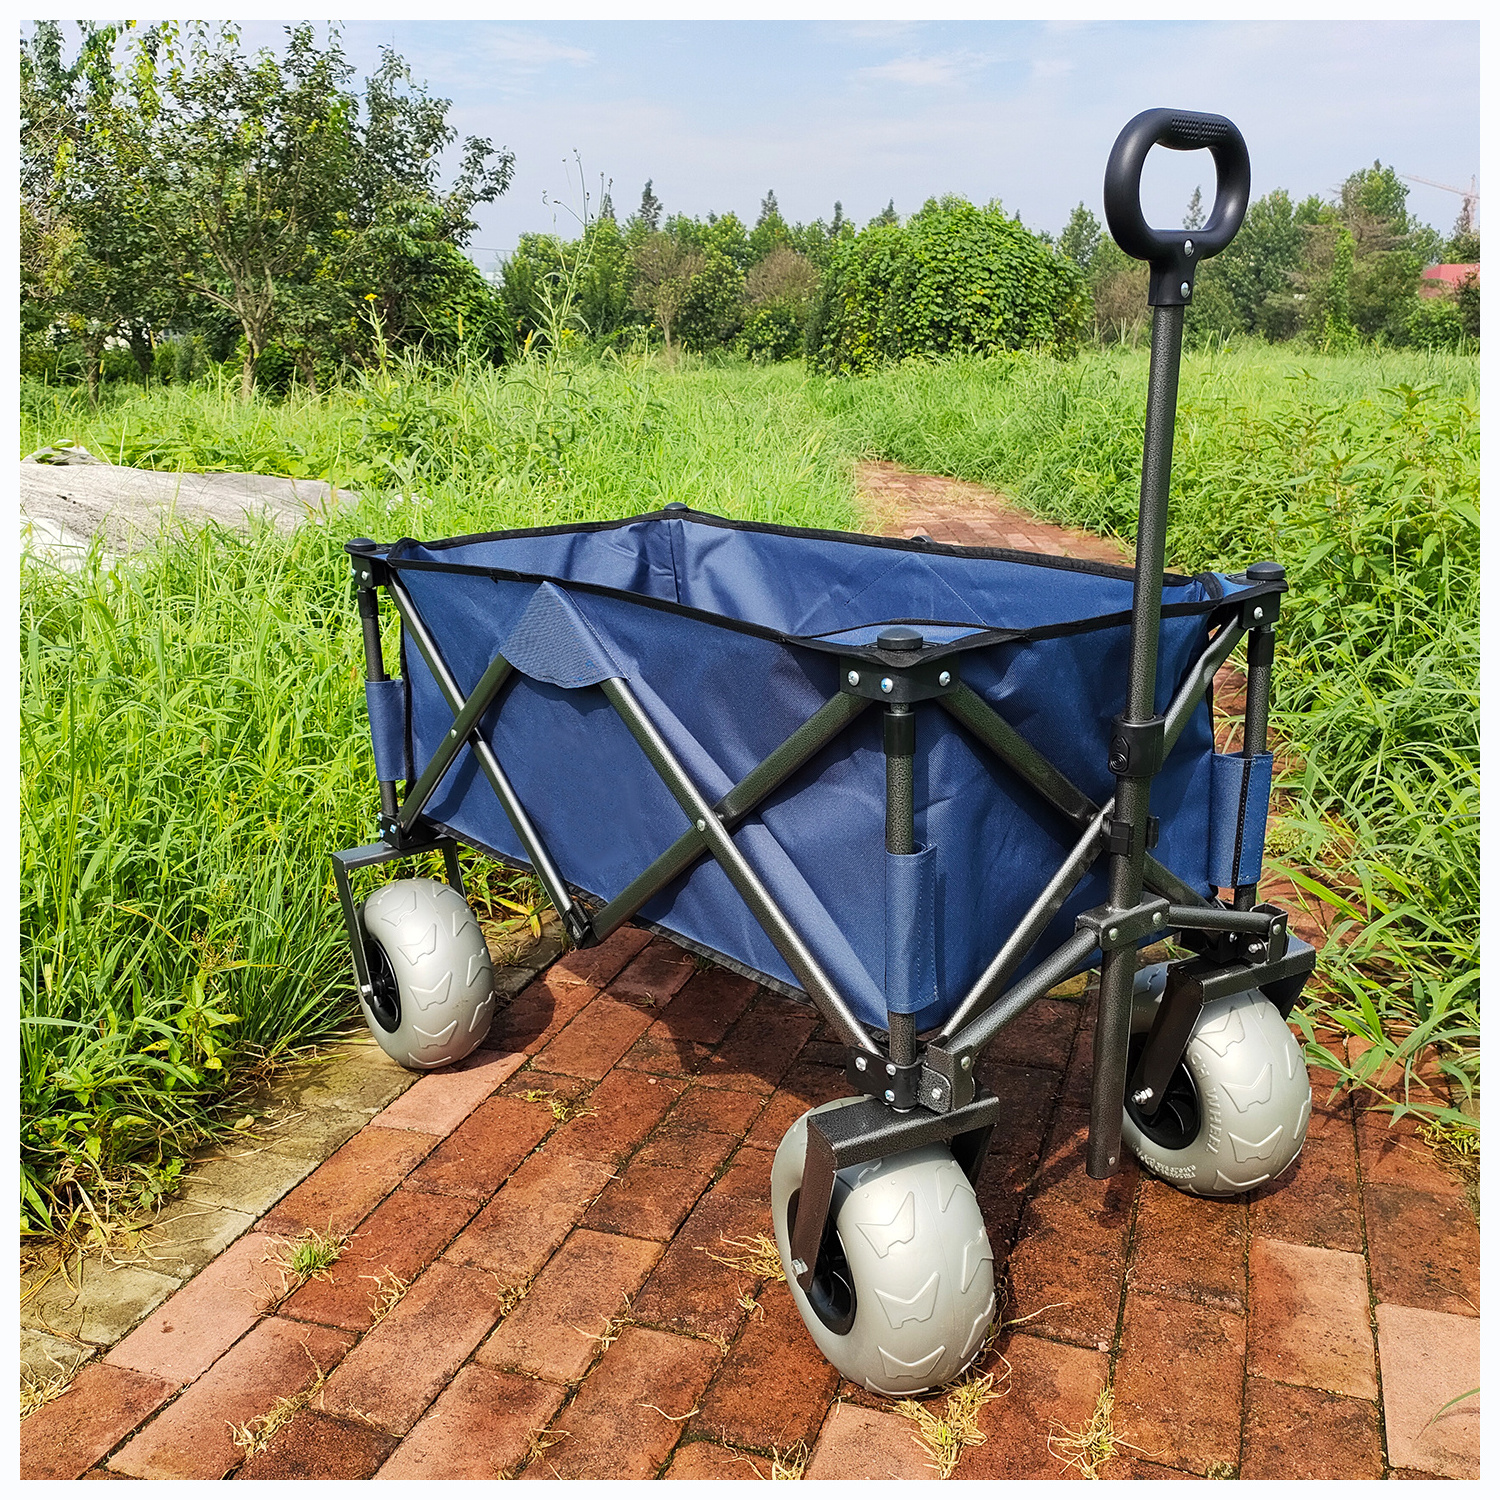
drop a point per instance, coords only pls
(1174, 255)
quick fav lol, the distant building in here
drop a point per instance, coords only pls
(1443, 281)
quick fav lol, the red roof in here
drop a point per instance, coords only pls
(1453, 275)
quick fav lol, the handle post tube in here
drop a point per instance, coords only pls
(900, 838)
(1135, 751)
(900, 744)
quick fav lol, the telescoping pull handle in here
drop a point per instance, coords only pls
(1174, 255)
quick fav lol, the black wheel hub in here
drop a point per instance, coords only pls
(832, 1291)
(1177, 1121)
(385, 1001)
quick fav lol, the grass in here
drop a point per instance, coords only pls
(1091, 1445)
(309, 1257)
(193, 735)
(946, 1434)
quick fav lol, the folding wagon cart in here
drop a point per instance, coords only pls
(917, 785)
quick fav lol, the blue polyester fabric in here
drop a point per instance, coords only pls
(730, 635)
(1241, 793)
(386, 702)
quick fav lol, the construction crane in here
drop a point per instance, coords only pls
(1470, 194)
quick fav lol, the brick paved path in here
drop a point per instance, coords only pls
(550, 1272)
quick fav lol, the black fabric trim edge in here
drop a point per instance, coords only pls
(852, 538)
(981, 639)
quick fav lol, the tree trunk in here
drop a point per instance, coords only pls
(93, 353)
(252, 354)
(141, 348)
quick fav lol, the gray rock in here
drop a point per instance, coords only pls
(130, 508)
(100, 1305)
(187, 1236)
(44, 1357)
(247, 1180)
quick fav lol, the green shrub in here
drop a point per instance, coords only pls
(953, 279)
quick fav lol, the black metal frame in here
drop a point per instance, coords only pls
(919, 1093)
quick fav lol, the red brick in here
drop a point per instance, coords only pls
(824, 1051)
(436, 1103)
(481, 1427)
(595, 1039)
(706, 1007)
(1316, 1202)
(1062, 1174)
(75, 1431)
(749, 1176)
(622, 1112)
(1424, 1249)
(540, 1087)
(485, 1149)
(1048, 1384)
(406, 1232)
(596, 966)
(774, 1386)
(1178, 1382)
(658, 1051)
(677, 1145)
(1066, 1271)
(538, 1013)
(314, 1445)
(654, 975)
(556, 1330)
(1393, 1152)
(191, 1438)
(1310, 1318)
(860, 1444)
(714, 1461)
(646, 1201)
(629, 1413)
(195, 1325)
(1429, 1370)
(1191, 1248)
(1292, 1432)
(693, 1293)
(801, 1089)
(516, 1232)
(1022, 1126)
(760, 1048)
(1041, 1037)
(411, 1354)
(723, 1111)
(350, 1183)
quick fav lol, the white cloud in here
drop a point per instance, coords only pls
(527, 52)
(925, 72)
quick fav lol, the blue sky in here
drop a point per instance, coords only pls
(717, 112)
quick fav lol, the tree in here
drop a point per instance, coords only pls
(954, 278)
(662, 275)
(649, 212)
(779, 292)
(1462, 248)
(90, 260)
(249, 167)
(1339, 334)
(1080, 238)
(771, 231)
(1194, 217)
(887, 215)
(714, 306)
